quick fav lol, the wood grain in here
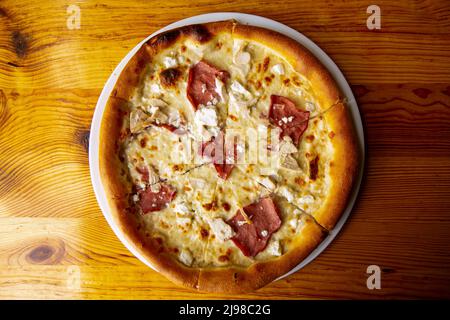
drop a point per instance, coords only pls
(55, 242)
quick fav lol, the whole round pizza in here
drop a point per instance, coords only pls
(227, 154)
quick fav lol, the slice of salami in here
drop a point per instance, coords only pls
(201, 87)
(223, 154)
(285, 114)
(252, 236)
(154, 201)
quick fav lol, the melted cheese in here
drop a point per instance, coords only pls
(187, 224)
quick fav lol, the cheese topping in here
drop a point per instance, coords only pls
(196, 221)
(206, 116)
(278, 69)
(186, 257)
(274, 248)
(221, 229)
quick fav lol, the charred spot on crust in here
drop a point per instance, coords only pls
(140, 65)
(198, 32)
(169, 77)
(314, 168)
(165, 39)
(158, 241)
(131, 209)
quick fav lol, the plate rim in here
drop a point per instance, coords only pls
(249, 19)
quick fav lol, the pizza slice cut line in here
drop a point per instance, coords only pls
(275, 190)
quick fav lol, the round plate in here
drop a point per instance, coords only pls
(245, 19)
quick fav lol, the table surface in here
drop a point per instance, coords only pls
(54, 241)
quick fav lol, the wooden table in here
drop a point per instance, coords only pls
(54, 241)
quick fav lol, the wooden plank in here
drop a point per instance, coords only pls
(368, 59)
(60, 241)
(40, 52)
(62, 229)
(44, 162)
(55, 242)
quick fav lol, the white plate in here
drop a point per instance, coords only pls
(246, 19)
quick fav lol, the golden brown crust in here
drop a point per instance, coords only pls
(344, 166)
(130, 76)
(343, 171)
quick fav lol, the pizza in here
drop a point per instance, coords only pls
(227, 154)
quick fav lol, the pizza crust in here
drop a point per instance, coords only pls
(344, 166)
(343, 171)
